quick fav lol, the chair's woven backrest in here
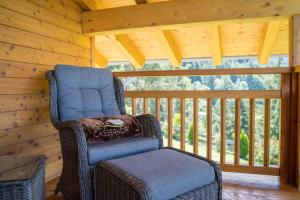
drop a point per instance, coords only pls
(78, 92)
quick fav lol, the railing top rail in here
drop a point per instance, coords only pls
(205, 72)
(221, 94)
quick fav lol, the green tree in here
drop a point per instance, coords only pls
(176, 127)
(191, 134)
(244, 145)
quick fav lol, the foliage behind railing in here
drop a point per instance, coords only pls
(247, 155)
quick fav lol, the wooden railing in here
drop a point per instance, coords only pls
(221, 95)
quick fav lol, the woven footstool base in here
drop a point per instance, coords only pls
(113, 183)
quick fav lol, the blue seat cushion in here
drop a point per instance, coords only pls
(167, 173)
(85, 92)
(120, 148)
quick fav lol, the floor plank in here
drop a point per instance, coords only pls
(235, 186)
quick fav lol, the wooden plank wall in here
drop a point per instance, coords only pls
(34, 36)
(296, 64)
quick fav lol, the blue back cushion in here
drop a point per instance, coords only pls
(85, 92)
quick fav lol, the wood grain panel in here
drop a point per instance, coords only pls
(30, 9)
(60, 7)
(53, 154)
(17, 20)
(35, 41)
(33, 146)
(23, 102)
(23, 86)
(24, 54)
(53, 170)
(35, 35)
(23, 118)
(12, 69)
(25, 133)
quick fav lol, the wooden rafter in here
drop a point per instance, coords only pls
(169, 46)
(270, 35)
(100, 60)
(89, 4)
(189, 12)
(132, 53)
(216, 45)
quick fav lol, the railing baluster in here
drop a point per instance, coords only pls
(157, 108)
(209, 129)
(133, 105)
(267, 133)
(195, 144)
(252, 132)
(170, 122)
(223, 132)
(182, 124)
(237, 132)
(145, 103)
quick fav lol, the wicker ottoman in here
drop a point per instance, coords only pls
(22, 177)
(162, 174)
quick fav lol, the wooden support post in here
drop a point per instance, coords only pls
(298, 135)
(237, 132)
(285, 127)
(92, 50)
(195, 143)
(293, 176)
(209, 129)
(170, 122)
(252, 132)
(289, 166)
(182, 124)
(296, 64)
(293, 171)
(223, 132)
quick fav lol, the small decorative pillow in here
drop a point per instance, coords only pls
(107, 128)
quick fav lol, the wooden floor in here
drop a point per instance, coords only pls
(235, 186)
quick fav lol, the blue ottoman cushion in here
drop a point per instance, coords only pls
(167, 173)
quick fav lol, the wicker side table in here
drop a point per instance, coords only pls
(22, 177)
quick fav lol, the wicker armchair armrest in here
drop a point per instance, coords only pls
(150, 127)
(74, 125)
(74, 147)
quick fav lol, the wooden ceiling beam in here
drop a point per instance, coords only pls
(89, 4)
(268, 41)
(168, 14)
(216, 45)
(100, 60)
(168, 44)
(133, 54)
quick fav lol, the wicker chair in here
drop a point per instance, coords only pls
(76, 180)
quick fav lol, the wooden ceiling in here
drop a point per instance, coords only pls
(260, 38)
